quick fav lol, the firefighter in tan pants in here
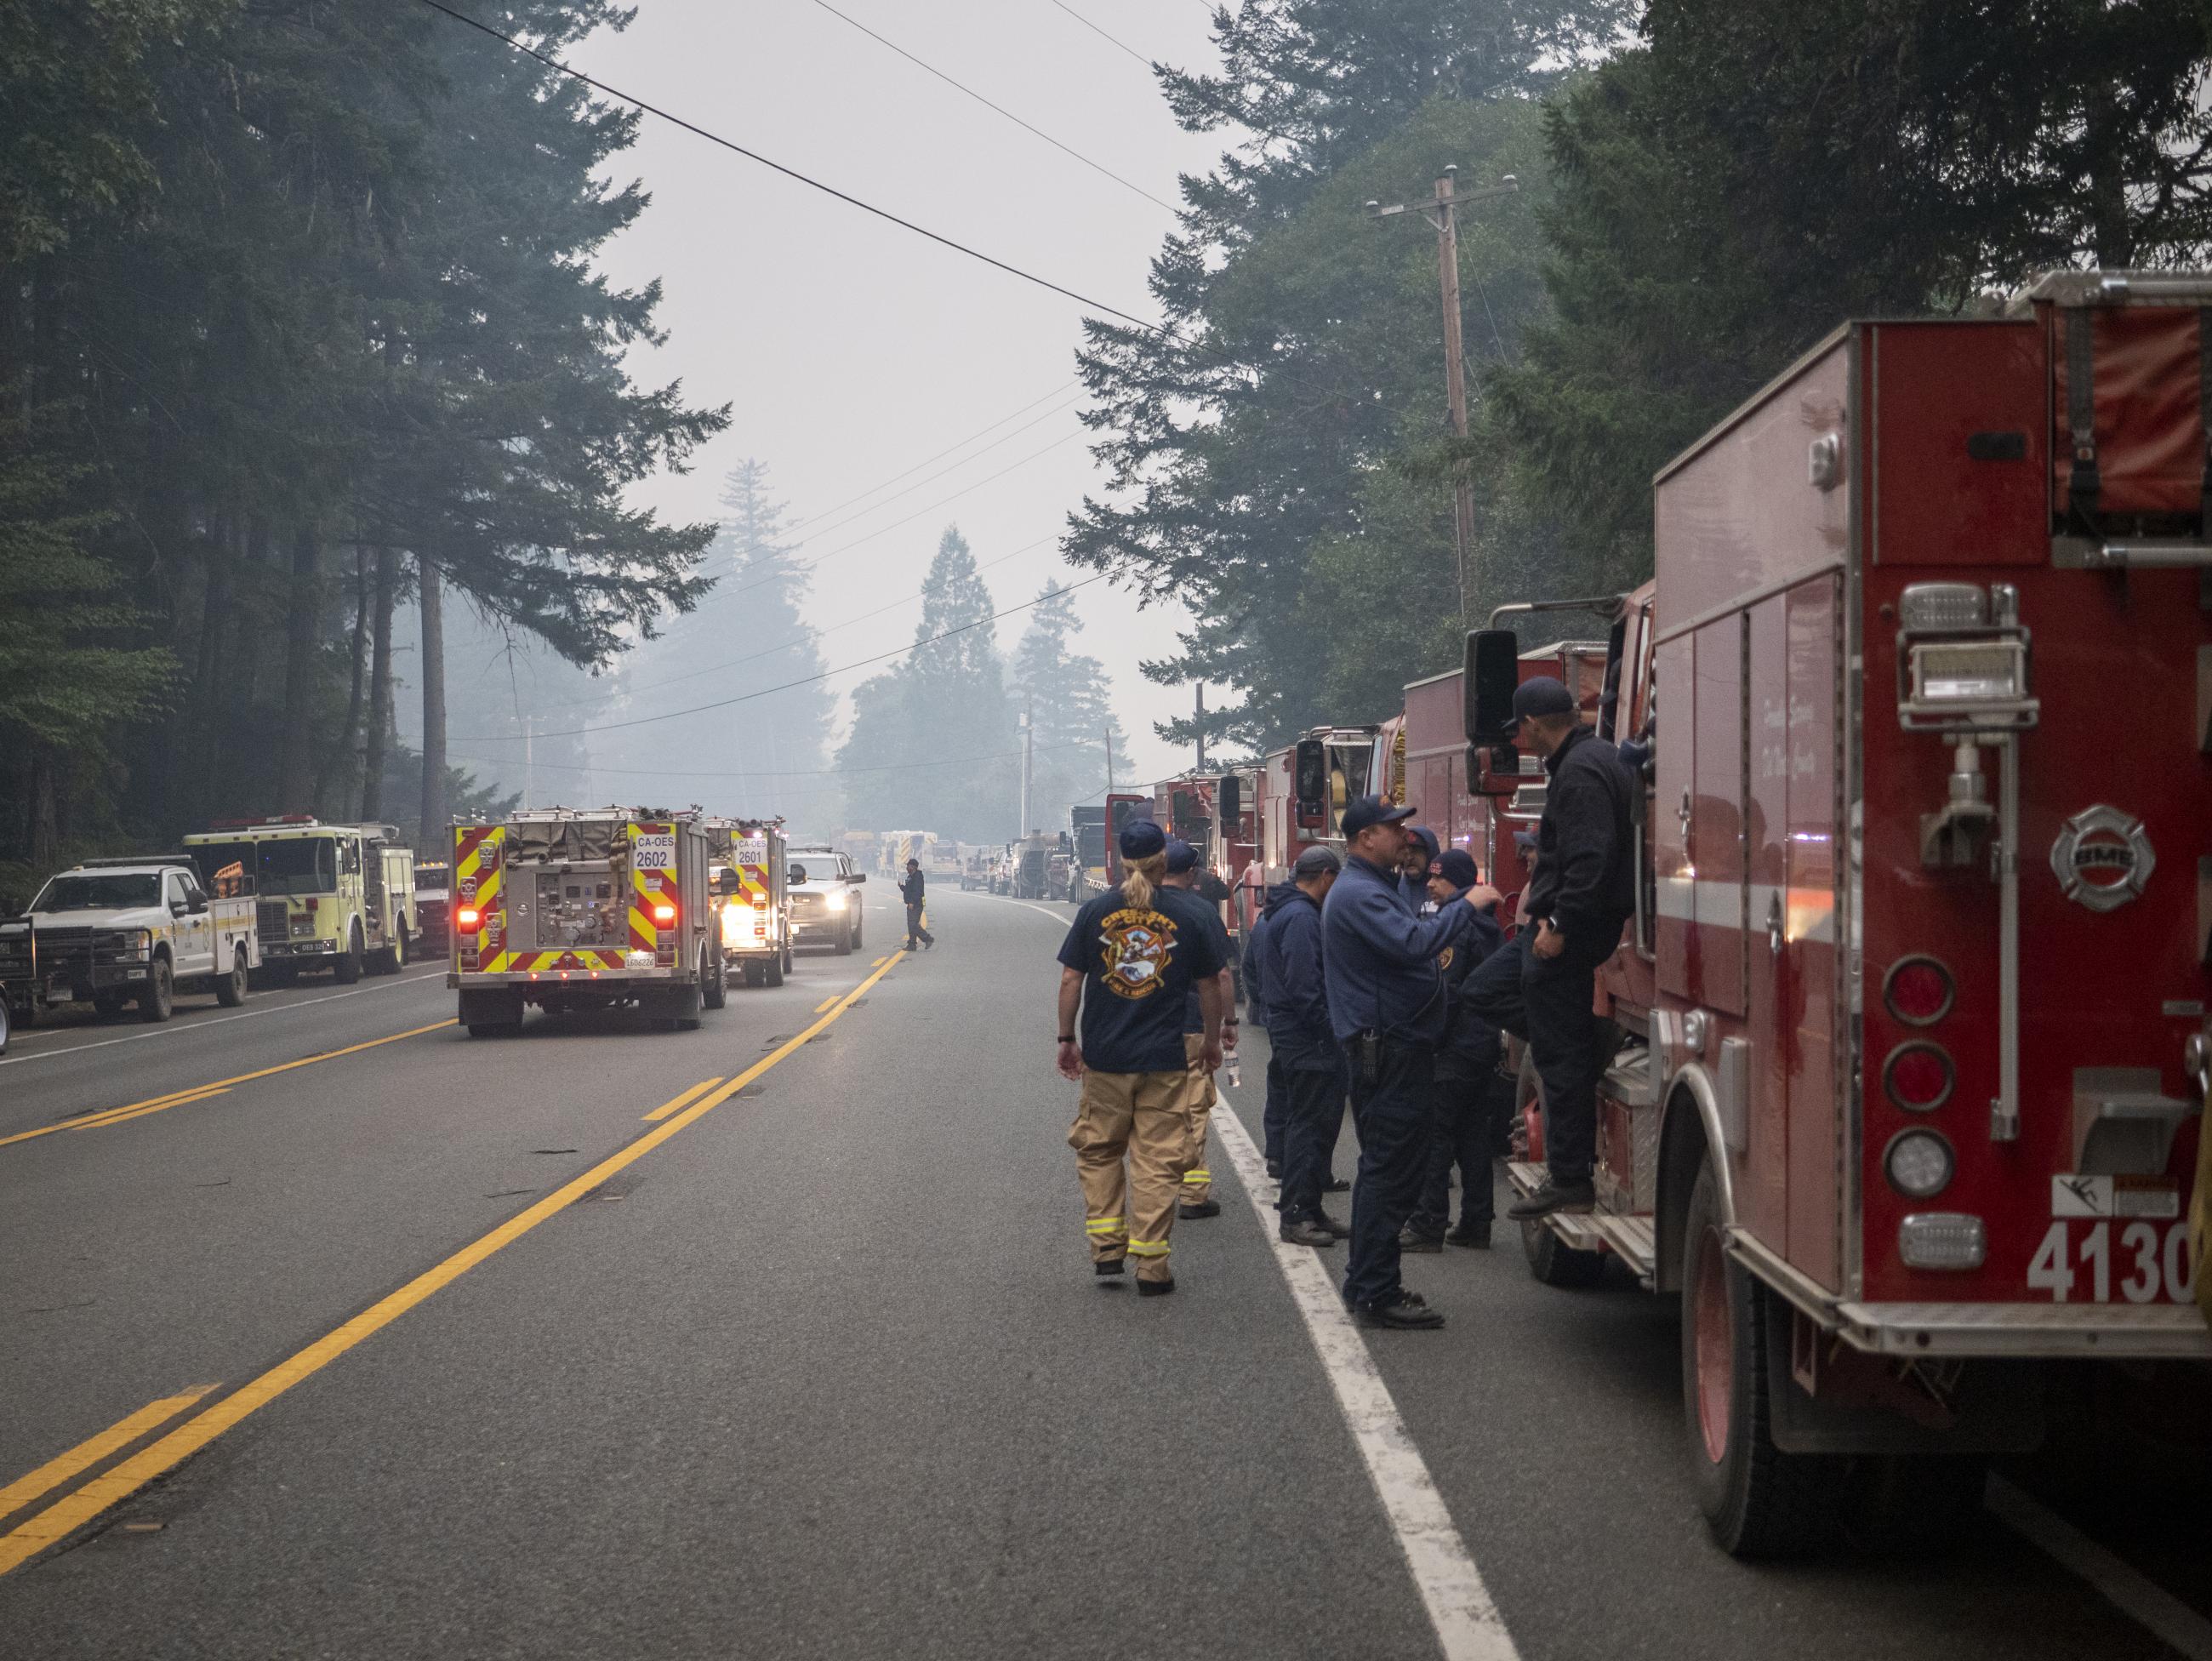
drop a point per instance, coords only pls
(1134, 954)
(1199, 1095)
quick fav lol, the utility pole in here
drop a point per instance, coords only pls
(1029, 755)
(1109, 761)
(529, 761)
(1201, 727)
(1442, 210)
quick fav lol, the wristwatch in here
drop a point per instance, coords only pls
(1067, 1037)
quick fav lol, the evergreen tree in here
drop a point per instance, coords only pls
(943, 703)
(1069, 701)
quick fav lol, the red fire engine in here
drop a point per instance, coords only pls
(1300, 795)
(1913, 1007)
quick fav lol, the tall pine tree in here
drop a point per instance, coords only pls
(1070, 705)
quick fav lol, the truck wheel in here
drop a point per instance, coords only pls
(683, 1009)
(348, 965)
(230, 991)
(7, 1022)
(772, 971)
(393, 957)
(713, 980)
(847, 938)
(1757, 1501)
(159, 1000)
(756, 972)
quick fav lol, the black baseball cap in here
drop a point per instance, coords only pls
(1182, 856)
(1542, 697)
(1141, 839)
(1316, 860)
(1372, 810)
(1456, 867)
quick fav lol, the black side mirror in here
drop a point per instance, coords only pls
(1229, 804)
(1311, 774)
(796, 873)
(857, 876)
(197, 905)
(1491, 675)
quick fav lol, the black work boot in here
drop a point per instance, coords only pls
(1409, 1312)
(1191, 1208)
(1554, 1196)
(1306, 1231)
(1412, 1240)
(1342, 1230)
(1155, 1288)
(1104, 1266)
(1473, 1235)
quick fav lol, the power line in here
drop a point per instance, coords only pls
(1118, 45)
(850, 200)
(1000, 109)
(1068, 386)
(770, 691)
(770, 773)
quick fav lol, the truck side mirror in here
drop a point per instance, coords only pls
(1311, 773)
(1491, 675)
(857, 876)
(196, 906)
(1229, 804)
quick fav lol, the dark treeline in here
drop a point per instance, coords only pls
(1706, 187)
(300, 332)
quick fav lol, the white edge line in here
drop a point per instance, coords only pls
(2133, 1592)
(218, 1020)
(1468, 1626)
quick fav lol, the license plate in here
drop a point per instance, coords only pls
(2086, 1260)
(654, 852)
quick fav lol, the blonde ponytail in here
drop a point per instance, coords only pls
(1140, 877)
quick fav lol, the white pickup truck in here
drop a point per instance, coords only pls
(118, 931)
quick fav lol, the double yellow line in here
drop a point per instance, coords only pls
(201, 1093)
(71, 1512)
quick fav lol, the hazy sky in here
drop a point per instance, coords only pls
(851, 350)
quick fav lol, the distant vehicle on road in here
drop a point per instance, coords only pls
(115, 932)
(825, 911)
(340, 897)
(745, 866)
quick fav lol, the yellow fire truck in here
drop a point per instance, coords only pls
(340, 897)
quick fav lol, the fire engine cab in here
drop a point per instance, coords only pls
(1913, 1009)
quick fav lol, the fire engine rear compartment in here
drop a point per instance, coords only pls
(1796, 818)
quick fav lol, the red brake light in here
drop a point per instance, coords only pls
(1918, 991)
(1918, 1076)
(468, 919)
(664, 915)
(313, 903)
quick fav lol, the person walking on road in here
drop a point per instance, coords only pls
(1544, 990)
(1463, 1133)
(1388, 1007)
(1200, 1096)
(1300, 1037)
(1126, 963)
(911, 888)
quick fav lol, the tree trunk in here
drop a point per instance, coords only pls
(379, 688)
(335, 773)
(435, 827)
(45, 822)
(302, 644)
(209, 671)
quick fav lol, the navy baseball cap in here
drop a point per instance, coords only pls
(1524, 843)
(1426, 837)
(1316, 860)
(1182, 856)
(1456, 867)
(1542, 697)
(1372, 810)
(1141, 839)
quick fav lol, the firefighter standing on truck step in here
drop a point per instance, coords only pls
(1197, 1199)
(1387, 1006)
(1132, 953)
(1544, 989)
(912, 889)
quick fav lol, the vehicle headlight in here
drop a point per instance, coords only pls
(835, 900)
(1918, 1163)
(133, 943)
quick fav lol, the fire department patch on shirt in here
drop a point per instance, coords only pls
(1136, 946)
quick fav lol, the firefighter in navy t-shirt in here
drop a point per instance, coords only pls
(1131, 956)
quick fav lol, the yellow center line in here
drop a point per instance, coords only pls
(87, 1454)
(825, 1003)
(201, 1093)
(667, 1108)
(880, 962)
(58, 1520)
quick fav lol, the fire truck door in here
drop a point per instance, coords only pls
(1789, 1192)
(1716, 826)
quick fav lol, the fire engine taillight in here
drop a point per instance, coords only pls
(468, 919)
(1918, 1076)
(664, 915)
(1919, 1164)
(1918, 991)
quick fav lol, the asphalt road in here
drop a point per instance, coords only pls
(821, 1370)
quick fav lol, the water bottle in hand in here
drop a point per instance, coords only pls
(1236, 1069)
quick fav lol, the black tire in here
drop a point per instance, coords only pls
(713, 980)
(772, 971)
(848, 939)
(683, 1009)
(1757, 1501)
(7, 1023)
(230, 990)
(390, 959)
(756, 972)
(347, 966)
(159, 1000)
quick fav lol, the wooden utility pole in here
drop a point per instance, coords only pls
(1109, 761)
(1442, 210)
(1201, 727)
(1028, 757)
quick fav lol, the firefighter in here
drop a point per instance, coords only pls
(1581, 892)
(1300, 1036)
(1387, 1006)
(1419, 861)
(912, 889)
(1463, 1133)
(1199, 1097)
(1277, 1115)
(1132, 953)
